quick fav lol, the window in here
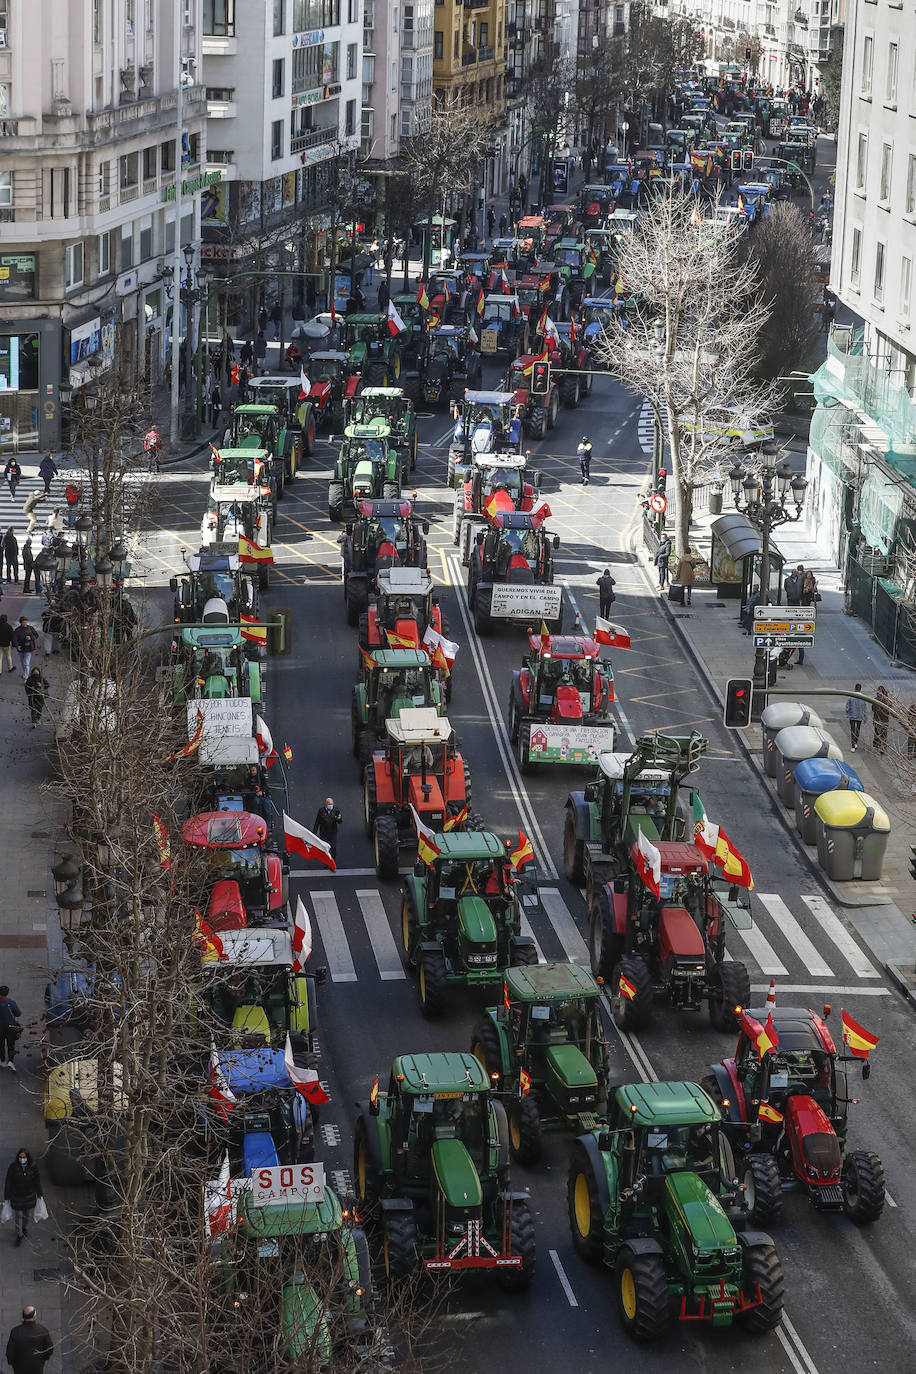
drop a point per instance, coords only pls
(187, 18)
(394, 76)
(148, 15)
(150, 161)
(6, 188)
(146, 238)
(104, 178)
(406, 71)
(307, 68)
(170, 234)
(911, 184)
(279, 17)
(352, 51)
(394, 20)
(880, 253)
(393, 129)
(855, 257)
(861, 162)
(219, 18)
(127, 246)
(276, 139)
(277, 86)
(97, 22)
(405, 124)
(867, 57)
(104, 247)
(437, 45)
(886, 167)
(129, 18)
(167, 155)
(129, 168)
(352, 11)
(484, 35)
(457, 37)
(73, 266)
(906, 277)
(890, 93)
(350, 119)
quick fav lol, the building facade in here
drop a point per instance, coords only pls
(862, 454)
(469, 65)
(89, 146)
(397, 88)
(788, 39)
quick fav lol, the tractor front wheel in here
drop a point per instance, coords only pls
(863, 1186)
(399, 1245)
(450, 478)
(431, 982)
(762, 1189)
(642, 1294)
(387, 847)
(573, 851)
(553, 410)
(569, 392)
(631, 1005)
(522, 1240)
(513, 720)
(524, 1129)
(365, 1175)
(482, 621)
(523, 748)
(605, 946)
(537, 422)
(370, 802)
(390, 491)
(335, 502)
(408, 926)
(586, 1220)
(357, 594)
(729, 987)
(763, 1284)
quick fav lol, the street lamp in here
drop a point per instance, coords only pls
(66, 873)
(83, 530)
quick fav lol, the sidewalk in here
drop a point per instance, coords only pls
(29, 943)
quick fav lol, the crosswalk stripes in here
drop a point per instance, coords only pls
(831, 924)
(336, 949)
(11, 512)
(762, 952)
(796, 937)
(383, 946)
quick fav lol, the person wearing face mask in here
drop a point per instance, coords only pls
(326, 823)
(22, 1190)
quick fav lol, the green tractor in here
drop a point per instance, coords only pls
(654, 1198)
(392, 405)
(296, 417)
(368, 467)
(398, 679)
(305, 1263)
(259, 426)
(545, 1053)
(431, 1168)
(461, 917)
(373, 354)
(214, 662)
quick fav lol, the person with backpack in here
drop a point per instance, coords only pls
(13, 474)
(10, 1029)
(25, 642)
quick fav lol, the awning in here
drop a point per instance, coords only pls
(737, 535)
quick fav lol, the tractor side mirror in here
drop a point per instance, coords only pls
(173, 584)
(425, 527)
(537, 478)
(556, 541)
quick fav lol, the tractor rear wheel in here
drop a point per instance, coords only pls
(862, 1182)
(586, 1220)
(399, 1245)
(357, 594)
(457, 519)
(523, 953)
(553, 410)
(632, 1013)
(467, 782)
(367, 745)
(762, 1189)
(522, 1238)
(482, 621)
(414, 446)
(451, 479)
(573, 851)
(605, 946)
(642, 1294)
(390, 491)
(431, 983)
(370, 802)
(409, 926)
(524, 1129)
(365, 1171)
(523, 747)
(513, 720)
(308, 438)
(362, 635)
(569, 392)
(387, 847)
(729, 987)
(485, 1047)
(537, 421)
(762, 1269)
(335, 501)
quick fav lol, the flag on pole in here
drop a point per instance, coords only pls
(648, 863)
(433, 640)
(615, 636)
(540, 512)
(302, 937)
(162, 842)
(368, 660)
(373, 1093)
(550, 330)
(305, 385)
(459, 818)
(545, 639)
(193, 743)
(767, 1040)
(308, 846)
(250, 552)
(499, 503)
(541, 325)
(480, 304)
(396, 641)
(522, 854)
(714, 844)
(768, 1114)
(422, 298)
(541, 357)
(287, 753)
(305, 1081)
(524, 1081)
(572, 331)
(507, 289)
(264, 741)
(507, 1000)
(218, 1193)
(220, 1093)
(544, 283)
(860, 1041)
(253, 630)
(396, 325)
(211, 946)
(427, 848)
(626, 988)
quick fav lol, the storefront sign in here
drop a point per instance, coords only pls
(309, 39)
(85, 340)
(193, 185)
(17, 276)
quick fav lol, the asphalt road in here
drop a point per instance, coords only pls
(849, 1303)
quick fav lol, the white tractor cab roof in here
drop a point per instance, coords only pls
(407, 581)
(419, 725)
(492, 304)
(216, 612)
(229, 751)
(612, 766)
(225, 496)
(212, 562)
(254, 948)
(486, 462)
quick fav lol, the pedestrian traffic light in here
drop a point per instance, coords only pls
(913, 862)
(738, 699)
(736, 160)
(540, 379)
(747, 159)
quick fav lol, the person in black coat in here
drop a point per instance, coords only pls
(22, 1190)
(11, 555)
(36, 690)
(30, 1346)
(606, 595)
(326, 823)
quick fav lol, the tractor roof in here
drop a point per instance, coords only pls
(418, 725)
(211, 636)
(241, 491)
(376, 428)
(489, 398)
(550, 982)
(254, 948)
(271, 379)
(489, 461)
(517, 520)
(289, 1218)
(445, 1073)
(497, 298)
(365, 318)
(254, 1071)
(667, 1104)
(385, 509)
(335, 355)
(612, 766)
(211, 562)
(566, 646)
(404, 581)
(392, 659)
(246, 454)
(448, 331)
(382, 393)
(258, 408)
(470, 845)
(798, 1028)
(224, 829)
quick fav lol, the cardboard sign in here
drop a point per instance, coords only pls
(225, 717)
(521, 603)
(569, 743)
(295, 1184)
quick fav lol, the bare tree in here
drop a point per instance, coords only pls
(657, 49)
(782, 253)
(443, 157)
(692, 343)
(599, 83)
(550, 92)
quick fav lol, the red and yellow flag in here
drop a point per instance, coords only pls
(480, 304)
(860, 1041)
(540, 358)
(459, 818)
(434, 320)
(193, 743)
(507, 1001)
(768, 1114)
(211, 946)
(287, 753)
(438, 660)
(542, 322)
(767, 1039)
(524, 1079)
(373, 1093)
(162, 842)
(422, 298)
(545, 639)
(255, 631)
(250, 552)
(427, 849)
(399, 641)
(544, 283)
(368, 660)
(523, 854)
(626, 988)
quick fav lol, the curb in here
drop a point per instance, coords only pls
(903, 978)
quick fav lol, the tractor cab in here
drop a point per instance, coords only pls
(483, 424)
(213, 586)
(503, 326)
(255, 426)
(368, 467)
(405, 608)
(385, 535)
(235, 512)
(500, 475)
(754, 198)
(249, 875)
(399, 680)
(803, 1064)
(231, 776)
(250, 985)
(515, 548)
(595, 203)
(391, 405)
(564, 678)
(270, 1123)
(213, 663)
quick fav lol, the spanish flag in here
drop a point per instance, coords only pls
(768, 1114)
(193, 743)
(427, 849)
(544, 283)
(860, 1041)
(524, 1081)
(523, 854)
(162, 841)
(767, 1039)
(741, 204)
(507, 1000)
(255, 631)
(438, 660)
(480, 304)
(422, 298)
(542, 322)
(250, 552)
(626, 988)
(373, 1093)
(434, 320)
(399, 641)
(368, 660)
(539, 358)
(459, 818)
(545, 639)
(211, 946)
(287, 753)
(499, 502)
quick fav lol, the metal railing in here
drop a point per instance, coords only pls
(312, 138)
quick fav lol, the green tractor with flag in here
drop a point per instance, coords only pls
(368, 469)
(394, 680)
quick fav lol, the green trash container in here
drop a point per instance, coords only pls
(779, 715)
(852, 830)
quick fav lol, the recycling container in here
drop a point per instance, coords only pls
(812, 777)
(797, 742)
(778, 716)
(852, 830)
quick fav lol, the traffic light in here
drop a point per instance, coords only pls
(748, 159)
(913, 861)
(662, 481)
(738, 699)
(736, 160)
(540, 379)
(747, 54)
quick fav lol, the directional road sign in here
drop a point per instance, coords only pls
(782, 641)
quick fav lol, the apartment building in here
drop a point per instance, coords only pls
(469, 65)
(397, 88)
(789, 38)
(89, 146)
(862, 454)
(530, 42)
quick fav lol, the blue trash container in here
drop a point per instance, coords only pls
(813, 777)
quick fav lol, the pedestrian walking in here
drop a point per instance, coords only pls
(584, 452)
(383, 296)
(793, 586)
(684, 575)
(606, 597)
(276, 318)
(22, 1190)
(246, 357)
(54, 524)
(29, 508)
(503, 225)
(30, 1346)
(6, 644)
(28, 560)
(262, 320)
(326, 824)
(152, 446)
(47, 471)
(25, 642)
(261, 348)
(880, 718)
(491, 221)
(662, 555)
(855, 714)
(11, 555)
(36, 690)
(10, 1029)
(73, 495)
(13, 474)
(809, 593)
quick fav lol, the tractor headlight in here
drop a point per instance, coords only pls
(456, 1228)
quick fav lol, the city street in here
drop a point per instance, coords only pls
(848, 1291)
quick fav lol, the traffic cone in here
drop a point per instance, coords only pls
(771, 995)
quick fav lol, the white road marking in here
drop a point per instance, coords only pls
(762, 952)
(330, 927)
(380, 937)
(818, 989)
(310, 874)
(525, 928)
(789, 1330)
(888, 1199)
(828, 920)
(566, 929)
(564, 1281)
(796, 937)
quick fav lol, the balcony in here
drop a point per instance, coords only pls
(851, 376)
(128, 193)
(220, 157)
(469, 57)
(312, 138)
(486, 54)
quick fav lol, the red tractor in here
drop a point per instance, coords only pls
(570, 363)
(558, 702)
(405, 608)
(785, 1111)
(510, 571)
(503, 476)
(538, 413)
(419, 767)
(251, 882)
(329, 376)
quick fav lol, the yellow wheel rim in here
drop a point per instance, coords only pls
(361, 1169)
(479, 1053)
(405, 927)
(397, 365)
(386, 1256)
(422, 984)
(515, 1134)
(628, 1294)
(582, 1205)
